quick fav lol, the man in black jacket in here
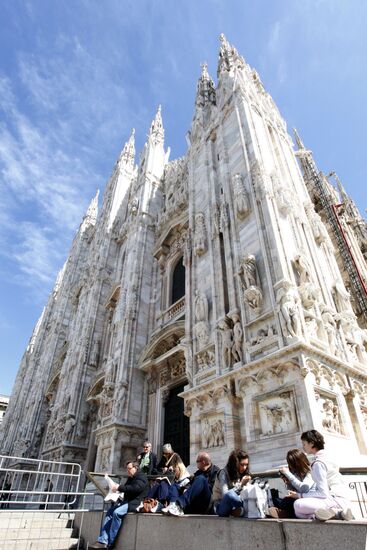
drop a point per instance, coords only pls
(135, 489)
(197, 499)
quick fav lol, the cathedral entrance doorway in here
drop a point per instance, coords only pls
(177, 425)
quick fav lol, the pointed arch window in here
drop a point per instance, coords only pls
(178, 281)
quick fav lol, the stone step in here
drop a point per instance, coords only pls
(38, 544)
(28, 522)
(35, 533)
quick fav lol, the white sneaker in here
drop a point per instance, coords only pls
(324, 514)
(174, 509)
(157, 508)
(347, 514)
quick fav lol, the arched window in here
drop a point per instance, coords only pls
(178, 281)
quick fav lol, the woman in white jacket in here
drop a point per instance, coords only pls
(297, 478)
(328, 498)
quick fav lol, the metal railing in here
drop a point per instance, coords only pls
(355, 479)
(38, 502)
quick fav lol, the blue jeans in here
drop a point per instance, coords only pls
(196, 500)
(229, 501)
(112, 523)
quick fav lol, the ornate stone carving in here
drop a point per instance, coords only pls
(341, 297)
(250, 281)
(241, 199)
(223, 218)
(330, 327)
(201, 306)
(261, 180)
(287, 299)
(212, 433)
(201, 332)
(261, 337)
(205, 360)
(69, 426)
(329, 412)
(237, 339)
(317, 226)
(355, 337)
(226, 342)
(105, 460)
(121, 394)
(200, 238)
(95, 352)
(278, 414)
(282, 194)
(302, 268)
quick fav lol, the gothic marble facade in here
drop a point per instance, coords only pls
(217, 271)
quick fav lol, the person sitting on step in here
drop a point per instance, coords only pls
(297, 478)
(329, 497)
(229, 484)
(134, 490)
(197, 498)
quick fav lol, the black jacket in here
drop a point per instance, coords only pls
(210, 474)
(152, 466)
(135, 490)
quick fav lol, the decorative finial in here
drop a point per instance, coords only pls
(156, 132)
(298, 139)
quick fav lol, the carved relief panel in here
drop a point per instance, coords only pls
(213, 432)
(329, 409)
(277, 414)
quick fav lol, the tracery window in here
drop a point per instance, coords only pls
(178, 281)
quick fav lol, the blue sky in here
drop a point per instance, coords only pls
(77, 75)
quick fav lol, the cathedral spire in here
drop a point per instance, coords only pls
(205, 88)
(90, 217)
(228, 56)
(156, 132)
(127, 155)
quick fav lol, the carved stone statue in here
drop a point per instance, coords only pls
(287, 300)
(94, 355)
(341, 297)
(282, 194)
(330, 327)
(237, 339)
(241, 197)
(226, 334)
(248, 272)
(250, 281)
(121, 396)
(202, 333)
(201, 306)
(200, 239)
(303, 269)
(69, 426)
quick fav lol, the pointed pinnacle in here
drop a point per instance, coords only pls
(298, 139)
(204, 71)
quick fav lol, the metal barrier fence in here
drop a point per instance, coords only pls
(38, 502)
(29, 481)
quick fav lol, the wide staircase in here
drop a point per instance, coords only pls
(36, 530)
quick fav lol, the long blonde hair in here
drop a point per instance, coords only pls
(182, 470)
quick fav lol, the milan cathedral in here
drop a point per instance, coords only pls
(216, 301)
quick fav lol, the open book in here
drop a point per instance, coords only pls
(163, 478)
(112, 496)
